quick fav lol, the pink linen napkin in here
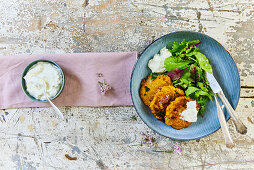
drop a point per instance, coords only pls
(81, 79)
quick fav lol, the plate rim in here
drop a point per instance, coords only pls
(138, 58)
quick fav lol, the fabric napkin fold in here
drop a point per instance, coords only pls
(81, 79)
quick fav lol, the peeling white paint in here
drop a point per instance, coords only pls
(107, 136)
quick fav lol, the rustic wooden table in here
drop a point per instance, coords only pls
(109, 137)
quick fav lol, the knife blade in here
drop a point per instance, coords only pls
(213, 83)
(215, 86)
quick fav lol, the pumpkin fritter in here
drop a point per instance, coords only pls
(151, 85)
(172, 117)
(162, 99)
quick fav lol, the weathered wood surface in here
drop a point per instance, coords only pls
(107, 138)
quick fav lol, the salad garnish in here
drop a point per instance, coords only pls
(187, 67)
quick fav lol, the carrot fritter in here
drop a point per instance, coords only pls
(151, 85)
(172, 117)
(162, 99)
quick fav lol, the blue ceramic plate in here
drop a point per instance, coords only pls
(224, 70)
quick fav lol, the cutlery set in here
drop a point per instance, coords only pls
(240, 127)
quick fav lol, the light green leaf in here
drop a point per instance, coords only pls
(173, 62)
(203, 62)
(185, 78)
(191, 90)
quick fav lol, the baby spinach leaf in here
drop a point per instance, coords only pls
(202, 60)
(174, 62)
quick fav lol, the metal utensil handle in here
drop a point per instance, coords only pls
(240, 127)
(60, 114)
(228, 140)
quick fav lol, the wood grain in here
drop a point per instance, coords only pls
(107, 138)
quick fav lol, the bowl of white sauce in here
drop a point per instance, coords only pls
(42, 75)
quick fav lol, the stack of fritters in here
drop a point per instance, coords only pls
(151, 85)
(162, 98)
(165, 101)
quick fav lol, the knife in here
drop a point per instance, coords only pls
(240, 127)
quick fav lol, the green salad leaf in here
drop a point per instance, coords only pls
(186, 55)
(191, 90)
(202, 60)
(186, 77)
(183, 47)
(195, 73)
(174, 62)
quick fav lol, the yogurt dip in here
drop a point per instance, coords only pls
(43, 75)
(190, 114)
(157, 63)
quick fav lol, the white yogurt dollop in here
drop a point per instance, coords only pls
(38, 74)
(157, 63)
(190, 114)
